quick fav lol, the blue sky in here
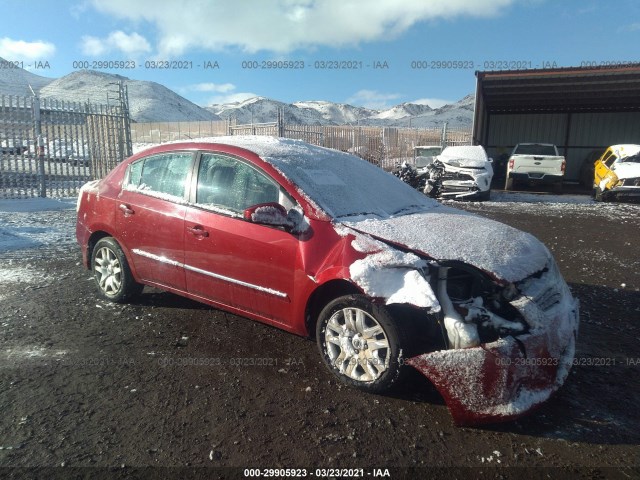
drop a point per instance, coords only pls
(386, 33)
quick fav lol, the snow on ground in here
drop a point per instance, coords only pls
(551, 204)
(525, 197)
(37, 204)
(32, 227)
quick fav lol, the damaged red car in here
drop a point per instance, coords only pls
(323, 244)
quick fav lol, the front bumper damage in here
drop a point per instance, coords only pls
(507, 378)
(622, 192)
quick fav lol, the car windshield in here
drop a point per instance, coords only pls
(631, 158)
(340, 184)
(535, 149)
(424, 155)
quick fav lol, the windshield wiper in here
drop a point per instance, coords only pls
(356, 214)
(405, 208)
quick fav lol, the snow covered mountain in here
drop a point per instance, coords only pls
(402, 111)
(153, 102)
(336, 113)
(16, 81)
(264, 110)
(148, 101)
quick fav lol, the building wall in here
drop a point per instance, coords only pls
(576, 134)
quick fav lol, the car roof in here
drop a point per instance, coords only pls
(625, 149)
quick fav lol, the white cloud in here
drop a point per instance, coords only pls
(286, 25)
(93, 46)
(131, 45)
(20, 50)
(633, 27)
(210, 87)
(433, 102)
(225, 93)
(373, 99)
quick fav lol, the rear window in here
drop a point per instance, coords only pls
(535, 149)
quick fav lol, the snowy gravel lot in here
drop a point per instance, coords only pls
(167, 382)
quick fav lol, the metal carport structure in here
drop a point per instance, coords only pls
(580, 109)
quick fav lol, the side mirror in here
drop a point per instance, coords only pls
(274, 214)
(270, 213)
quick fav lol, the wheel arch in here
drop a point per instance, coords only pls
(99, 234)
(91, 243)
(321, 296)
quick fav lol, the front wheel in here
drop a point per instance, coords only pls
(111, 272)
(360, 343)
(597, 195)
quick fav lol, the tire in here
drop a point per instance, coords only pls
(361, 344)
(597, 195)
(484, 196)
(557, 187)
(508, 184)
(111, 272)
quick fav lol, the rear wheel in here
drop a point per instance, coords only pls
(360, 343)
(111, 272)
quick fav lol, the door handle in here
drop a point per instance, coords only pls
(126, 209)
(198, 231)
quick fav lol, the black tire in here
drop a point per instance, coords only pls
(508, 184)
(379, 368)
(597, 195)
(557, 187)
(111, 272)
(484, 196)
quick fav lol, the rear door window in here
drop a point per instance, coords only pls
(164, 175)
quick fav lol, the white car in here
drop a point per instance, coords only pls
(462, 172)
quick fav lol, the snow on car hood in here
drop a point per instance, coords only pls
(450, 234)
(626, 169)
(464, 156)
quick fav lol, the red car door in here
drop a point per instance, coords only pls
(150, 217)
(231, 261)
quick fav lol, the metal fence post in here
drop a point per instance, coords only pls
(443, 140)
(37, 125)
(281, 122)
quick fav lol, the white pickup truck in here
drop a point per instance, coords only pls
(535, 163)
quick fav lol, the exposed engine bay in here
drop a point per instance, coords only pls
(475, 310)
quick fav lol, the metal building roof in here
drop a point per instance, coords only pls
(587, 89)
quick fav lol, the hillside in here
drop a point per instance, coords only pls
(264, 110)
(148, 101)
(16, 81)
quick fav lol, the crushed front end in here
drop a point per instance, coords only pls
(444, 180)
(510, 346)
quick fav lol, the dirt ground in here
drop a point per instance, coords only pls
(167, 382)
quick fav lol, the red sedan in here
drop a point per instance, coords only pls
(323, 244)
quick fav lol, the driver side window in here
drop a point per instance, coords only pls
(228, 183)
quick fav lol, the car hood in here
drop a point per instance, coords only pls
(504, 252)
(627, 170)
(463, 162)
